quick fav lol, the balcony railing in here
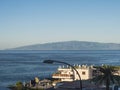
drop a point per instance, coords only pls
(62, 76)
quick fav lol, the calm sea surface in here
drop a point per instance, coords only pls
(25, 65)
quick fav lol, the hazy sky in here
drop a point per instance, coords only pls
(25, 22)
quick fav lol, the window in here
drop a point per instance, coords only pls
(83, 73)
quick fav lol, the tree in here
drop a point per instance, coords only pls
(19, 85)
(107, 76)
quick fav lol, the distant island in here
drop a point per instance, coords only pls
(71, 45)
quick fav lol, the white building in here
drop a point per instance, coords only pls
(68, 74)
(85, 72)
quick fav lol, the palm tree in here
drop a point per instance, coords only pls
(107, 76)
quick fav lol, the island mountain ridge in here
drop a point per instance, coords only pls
(71, 45)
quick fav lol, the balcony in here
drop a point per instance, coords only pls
(67, 76)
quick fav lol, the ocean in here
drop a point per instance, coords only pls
(25, 65)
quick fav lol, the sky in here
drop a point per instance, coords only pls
(26, 22)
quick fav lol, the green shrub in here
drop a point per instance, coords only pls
(19, 85)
